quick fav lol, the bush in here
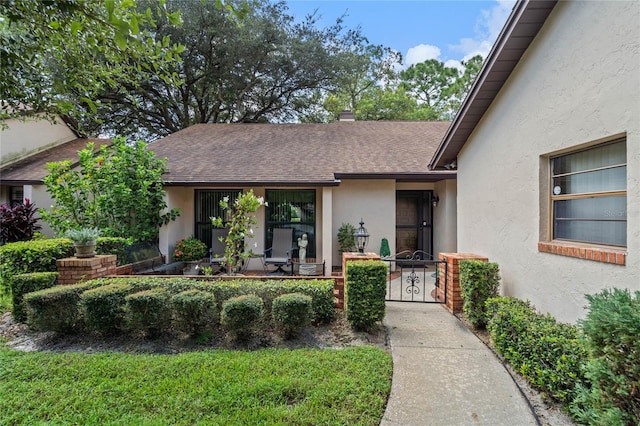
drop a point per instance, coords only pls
(365, 293)
(547, 353)
(148, 311)
(346, 241)
(56, 308)
(102, 307)
(242, 315)
(612, 337)
(194, 311)
(478, 282)
(22, 284)
(17, 223)
(291, 313)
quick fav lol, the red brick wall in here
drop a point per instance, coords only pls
(72, 270)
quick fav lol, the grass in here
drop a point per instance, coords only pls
(271, 386)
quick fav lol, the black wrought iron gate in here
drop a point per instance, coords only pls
(416, 277)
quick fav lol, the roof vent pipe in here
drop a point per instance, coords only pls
(346, 115)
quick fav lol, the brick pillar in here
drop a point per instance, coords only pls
(349, 257)
(72, 270)
(452, 278)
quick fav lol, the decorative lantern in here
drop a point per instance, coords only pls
(361, 237)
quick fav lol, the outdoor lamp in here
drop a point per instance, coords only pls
(361, 237)
(434, 200)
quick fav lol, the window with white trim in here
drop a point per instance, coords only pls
(589, 194)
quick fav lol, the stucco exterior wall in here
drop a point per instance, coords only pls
(444, 217)
(577, 83)
(24, 137)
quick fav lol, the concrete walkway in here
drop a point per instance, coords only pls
(444, 375)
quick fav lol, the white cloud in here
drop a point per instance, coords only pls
(421, 53)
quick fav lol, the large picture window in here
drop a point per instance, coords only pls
(589, 195)
(295, 209)
(208, 205)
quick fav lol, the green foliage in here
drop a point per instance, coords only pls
(365, 292)
(479, 281)
(547, 353)
(22, 284)
(114, 245)
(82, 236)
(238, 218)
(118, 189)
(346, 241)
(17, 223)
(242, 315)
(189, 249)
(148, 311)
(56, 308)
(384, 248)
(612, 337)
(213, 387)
(103, 307)
(292, 313)
(194, 311)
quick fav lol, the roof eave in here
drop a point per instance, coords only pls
(527, 16)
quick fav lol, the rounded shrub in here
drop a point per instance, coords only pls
(194, 311)
(22, 284)
(148, 311)
(242, 315)
(291, 313)
(103, 307)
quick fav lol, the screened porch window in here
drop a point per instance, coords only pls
(589, 195)
(289, 208)
(207, 205)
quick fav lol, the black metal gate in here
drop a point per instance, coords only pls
(415, 277)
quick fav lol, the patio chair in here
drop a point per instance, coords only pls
(216, 252)
(279, 254)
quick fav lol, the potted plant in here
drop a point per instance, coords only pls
(190, 250)
(84, 241)
(345, 238)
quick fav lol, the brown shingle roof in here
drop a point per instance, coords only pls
(31, 170)
(299, 154)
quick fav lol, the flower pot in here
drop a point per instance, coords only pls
(85, 250)
(191, 268)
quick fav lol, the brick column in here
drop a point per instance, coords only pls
(349, 257)
(452, 277)
(72, 270)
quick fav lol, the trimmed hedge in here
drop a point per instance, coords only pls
(242, 315)
(365, 293)
(22, 284)
(148, 311)
(478, 282)
(56, 308)
(194, 311)
(547, 353)
(291, 313)
(103, 307)
(612, 337)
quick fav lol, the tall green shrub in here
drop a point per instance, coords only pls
(365, 293)
(117, 189)
(612, 336)
(22, 284)
(346, 242)
(479, 281)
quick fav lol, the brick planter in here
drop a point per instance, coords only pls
(72, 269)
(452, 278)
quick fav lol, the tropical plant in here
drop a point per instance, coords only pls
(83, 236)
(189, 249)
(345, 238)
(240, 218)
(17, 223)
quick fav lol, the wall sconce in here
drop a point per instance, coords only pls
(434, 200)
(361, 237)
(452, 165)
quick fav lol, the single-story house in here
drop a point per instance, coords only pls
(547, 148)
(314, 177)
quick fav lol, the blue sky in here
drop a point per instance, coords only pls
(449, 31)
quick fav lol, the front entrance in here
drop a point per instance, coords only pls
(414, 223)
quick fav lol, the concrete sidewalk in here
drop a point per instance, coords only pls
(444, 375)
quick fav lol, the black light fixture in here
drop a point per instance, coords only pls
(434, 200)
(361, 237)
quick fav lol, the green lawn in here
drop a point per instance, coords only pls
(305, 386)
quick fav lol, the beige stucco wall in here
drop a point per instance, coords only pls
(444, 217)
(23, 137)
(577, 83)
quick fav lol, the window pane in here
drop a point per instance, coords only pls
(600, 220)
(592, 158)
(292, 209)
(595, 181)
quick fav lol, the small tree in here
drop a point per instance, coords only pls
(17, 223)
(345, 238)
(240, 218)
(118, 189)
